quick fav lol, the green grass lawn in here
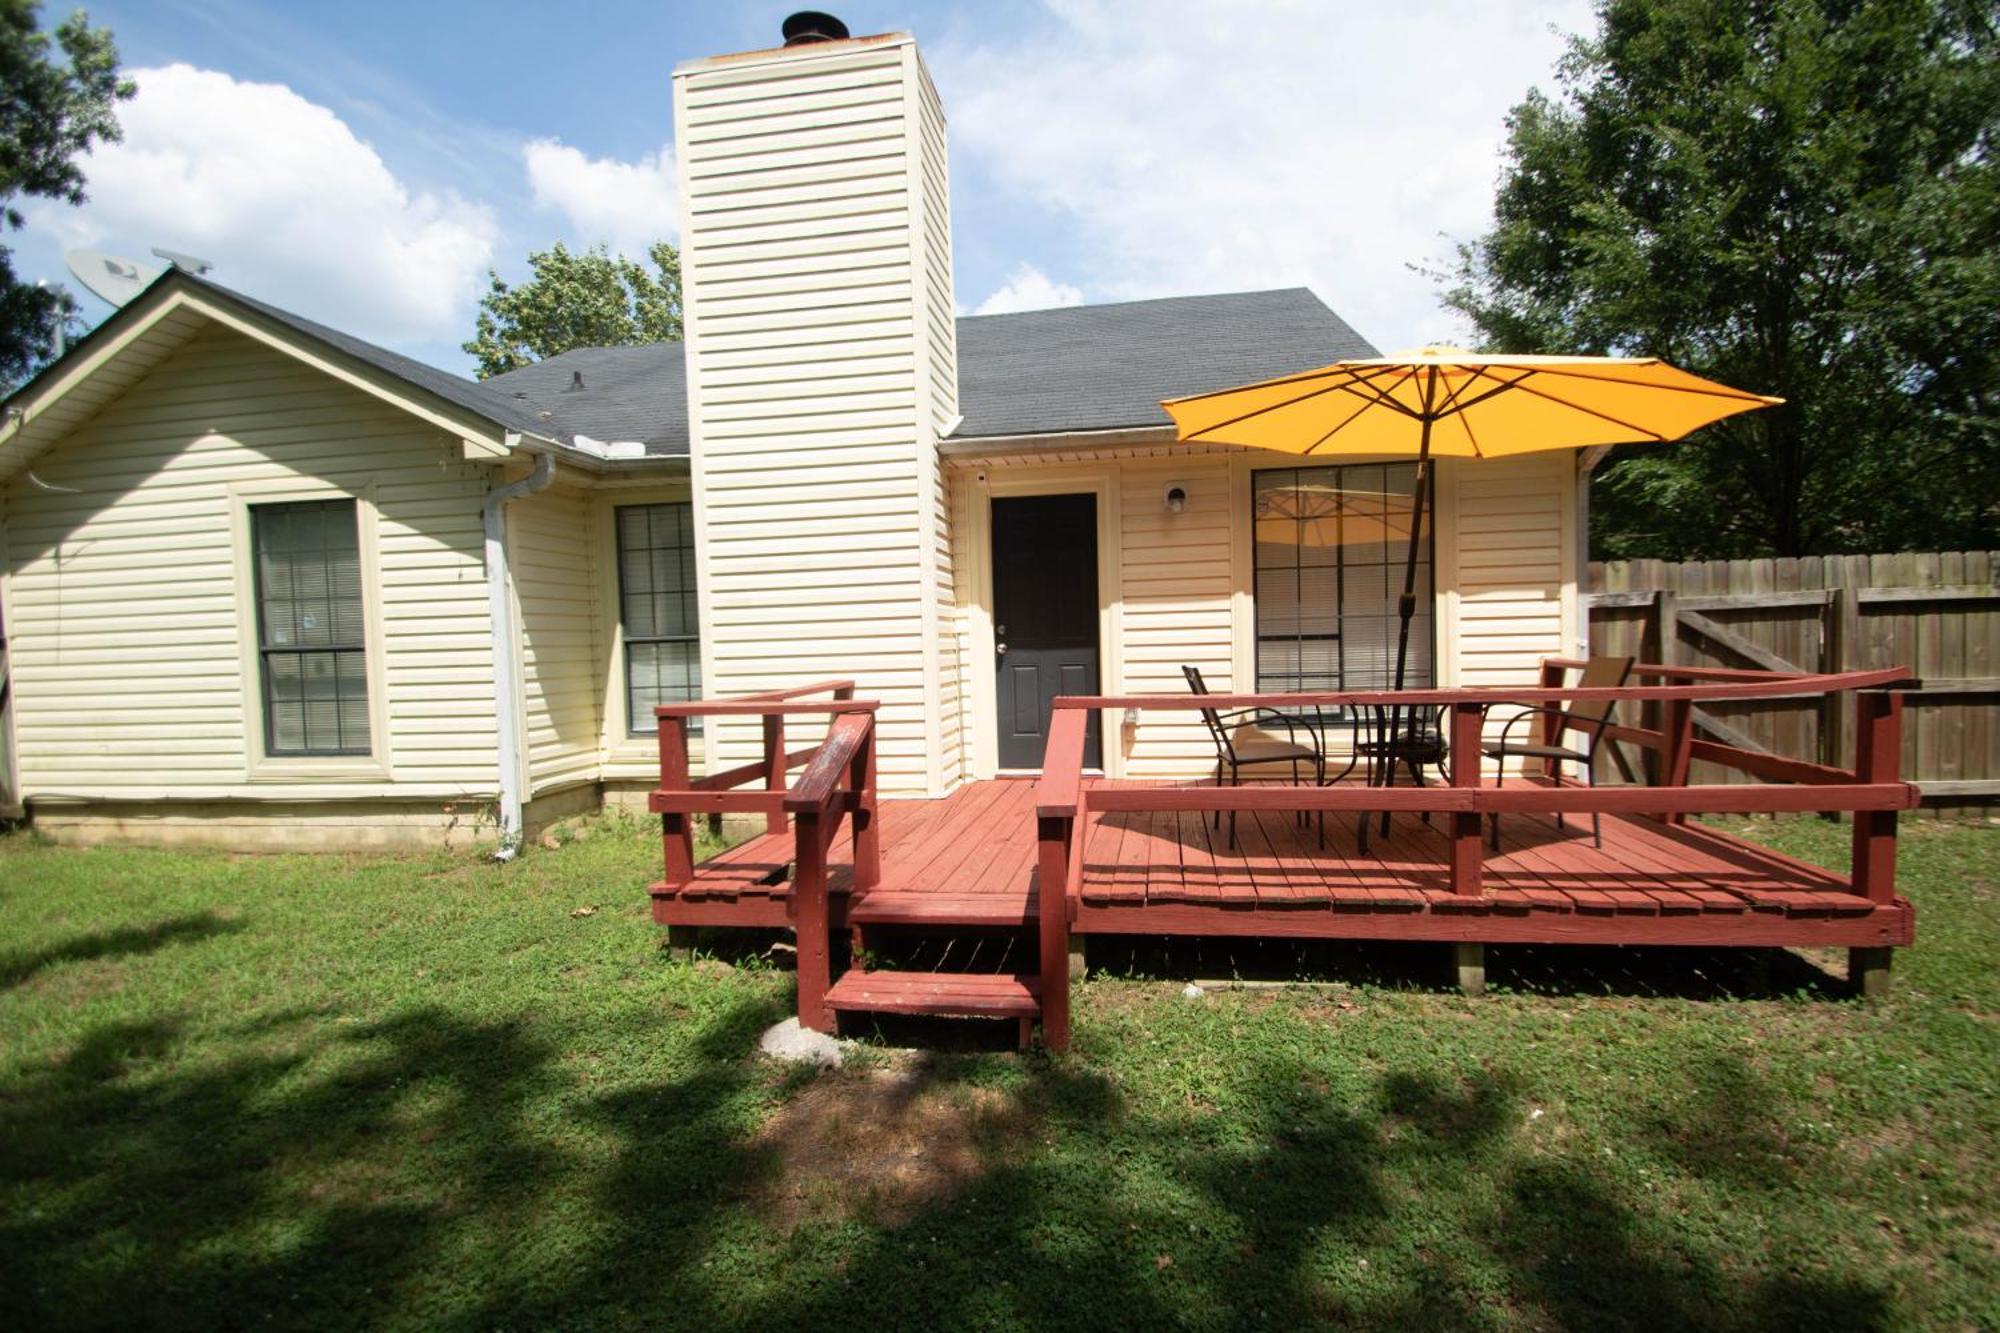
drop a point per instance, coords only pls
(427, 1092)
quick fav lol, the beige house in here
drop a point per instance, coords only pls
(266, 585)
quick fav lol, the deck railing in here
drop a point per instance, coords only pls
(1872, 790)
(838, 783)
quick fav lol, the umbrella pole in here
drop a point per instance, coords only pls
(1406, 606)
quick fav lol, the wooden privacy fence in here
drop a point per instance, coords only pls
(1936, 613)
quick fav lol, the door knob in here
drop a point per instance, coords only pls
(1000, 648)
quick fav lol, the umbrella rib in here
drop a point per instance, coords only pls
(1345, 386)
(1590, 412)
(1719, 391)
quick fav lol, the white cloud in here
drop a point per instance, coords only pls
(626, 205)
(1028, 288)
(289, 204)
(1201, 146)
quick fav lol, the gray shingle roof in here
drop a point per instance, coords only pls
(1039, 372)
(1102, 367)
(502, 409)
(629, 394)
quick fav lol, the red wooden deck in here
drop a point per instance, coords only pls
(970, 860)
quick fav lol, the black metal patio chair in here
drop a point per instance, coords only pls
(1241, 743)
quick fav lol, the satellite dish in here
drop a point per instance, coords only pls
(113, 279)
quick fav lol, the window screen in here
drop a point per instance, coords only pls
(311, 644)
(1330, 547)
(656, 594)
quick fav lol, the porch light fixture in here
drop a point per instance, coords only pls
(1176, 497)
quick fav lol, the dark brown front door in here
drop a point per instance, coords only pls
(1044, 617)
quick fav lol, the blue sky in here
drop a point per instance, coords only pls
(365, 163)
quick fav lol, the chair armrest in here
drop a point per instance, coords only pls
(1526, 711)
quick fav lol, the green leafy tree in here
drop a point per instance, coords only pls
(51, 112)
(577, 299)
(1793, 196)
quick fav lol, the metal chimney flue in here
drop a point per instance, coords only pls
(809, 25)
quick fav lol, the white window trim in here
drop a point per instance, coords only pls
(377, 764)
(627, 756)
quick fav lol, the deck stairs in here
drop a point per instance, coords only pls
(943, 994)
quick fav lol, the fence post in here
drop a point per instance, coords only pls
(676, 829)
(809, 921)
(1052, 902)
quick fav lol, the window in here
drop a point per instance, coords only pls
(657, 610)
(1330, 548)
(311, 643)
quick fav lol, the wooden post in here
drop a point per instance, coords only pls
(1677, 726)
(1471, 961)
(1878, 757)
(1667, 635)
(1052, 902)
(809, 923)
(1868, 972)
(680, 943)
(776, 776)
(1467, 724)
(867, 833)
(1552, 678)
(676, 830)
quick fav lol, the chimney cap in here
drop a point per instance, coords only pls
(810, 25)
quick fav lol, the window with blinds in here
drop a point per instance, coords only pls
(1330, 548)
(656, 594)
(310, 632)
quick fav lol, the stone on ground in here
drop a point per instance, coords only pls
(790, 1042)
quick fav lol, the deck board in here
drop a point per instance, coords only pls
(1175, 872)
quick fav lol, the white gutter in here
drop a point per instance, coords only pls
(507, 703)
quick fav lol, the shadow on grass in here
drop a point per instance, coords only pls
(125, 941)
(437, 1171)
(1637, 971)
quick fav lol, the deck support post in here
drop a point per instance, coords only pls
(1471, 962)
(776, 776)
(1868, 972)
(1052, 913)
(1077, 967)
(1878, 758)
(676, 829)
(1468, 721)
(867, 833)
(1677, 758)
(809, 923)
(680, 943)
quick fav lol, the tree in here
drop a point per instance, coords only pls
(586, 299)
(51, 113)
(1793, 196)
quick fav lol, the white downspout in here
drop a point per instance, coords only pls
(507, 701)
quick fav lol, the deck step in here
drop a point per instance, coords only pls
(949, 994)
(910, 908)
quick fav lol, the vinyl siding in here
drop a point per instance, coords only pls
(1508, 579)
(809, 260)
(127, 634)
(551, 548)
(1505, 573)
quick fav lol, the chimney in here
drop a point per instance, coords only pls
(822, 370)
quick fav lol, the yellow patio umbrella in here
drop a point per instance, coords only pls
(1446, 402)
